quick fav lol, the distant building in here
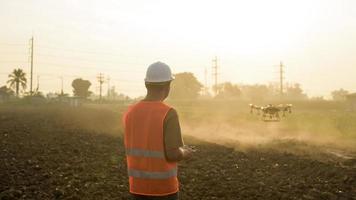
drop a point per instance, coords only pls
(351, 99)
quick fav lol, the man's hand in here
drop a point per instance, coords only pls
(188, 152)
(181, 153)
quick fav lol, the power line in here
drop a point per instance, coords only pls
(12, 44)
(84, 76)
(83, 51)
(12, 61)
(64, 49)
(14, 53)
(88, 60)
(74, 66)
(77, 50)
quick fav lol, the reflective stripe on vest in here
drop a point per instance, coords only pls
(152, 175)
(144, 153)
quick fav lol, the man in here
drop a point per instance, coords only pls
(153, 140)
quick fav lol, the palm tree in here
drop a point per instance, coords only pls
(17, 79)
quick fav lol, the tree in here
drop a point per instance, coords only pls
(81, 88)
(17, 79)
(227, 90)
(62, 95)
(339, 95)
(317, 98)
(6, 92)
(295, 92)
(185, 86)
(38, 94)
(256, 92)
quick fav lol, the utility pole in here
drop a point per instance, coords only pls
(31, 49)
(215, 74)
(100, 78)
(281, 78)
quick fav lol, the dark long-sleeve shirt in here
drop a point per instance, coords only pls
(172, 135)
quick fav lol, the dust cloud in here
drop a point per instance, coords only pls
(271, 136)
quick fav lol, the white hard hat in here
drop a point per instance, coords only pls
(158, 72)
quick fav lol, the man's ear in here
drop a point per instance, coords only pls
(168, 86)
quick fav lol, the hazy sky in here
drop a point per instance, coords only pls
(315, 39)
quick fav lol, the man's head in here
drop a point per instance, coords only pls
(157, 81)
(159, 91)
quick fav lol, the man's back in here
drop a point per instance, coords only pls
(153, 140)
(149, 171)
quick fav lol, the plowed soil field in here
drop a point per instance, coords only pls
(75, 154)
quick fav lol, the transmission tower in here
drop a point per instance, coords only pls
(215, 74)
(101, 80)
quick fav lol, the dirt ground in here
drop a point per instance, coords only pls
(43, 156)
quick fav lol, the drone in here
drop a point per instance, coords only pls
(271, 112)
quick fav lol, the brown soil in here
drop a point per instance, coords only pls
(42, 157)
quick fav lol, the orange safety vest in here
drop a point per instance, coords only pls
(149, 171)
